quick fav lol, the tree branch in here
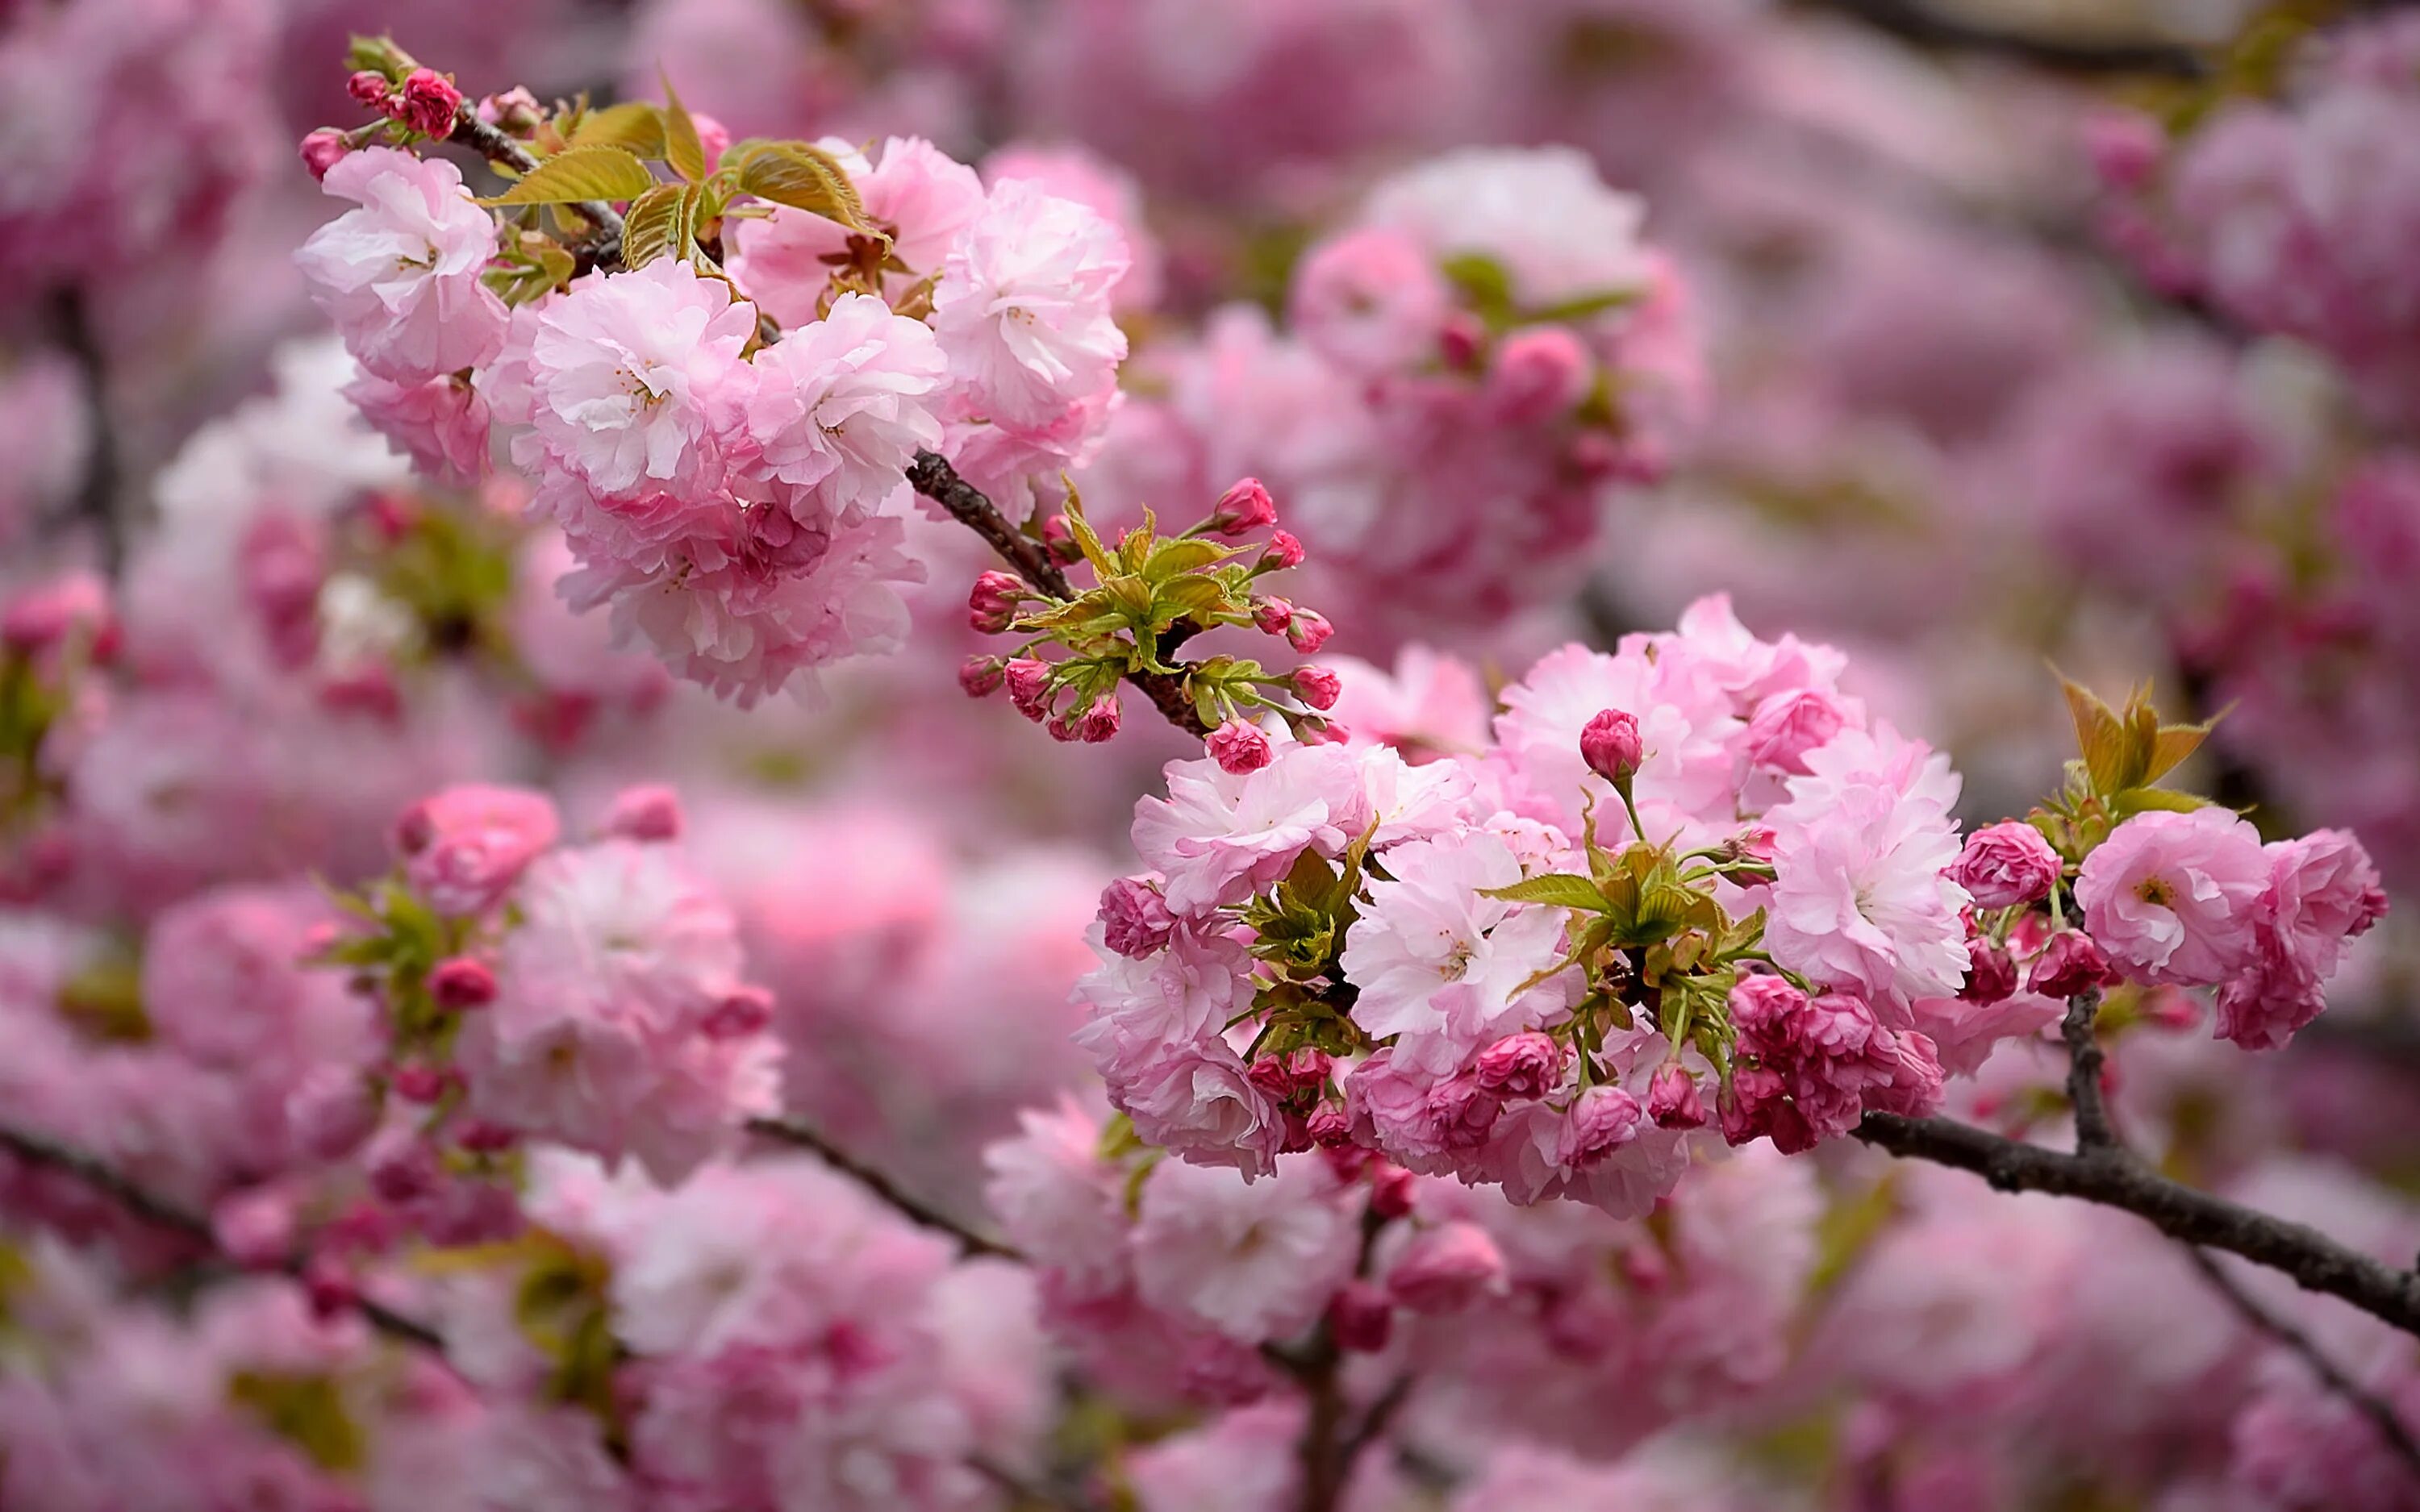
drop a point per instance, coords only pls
(1912, 20)
(152, 1208)
(489, 142)
(97, 493)
(2330, 1374)
(2093, 1129)
(931, 475)
(914, 1209)
(2108, 1177)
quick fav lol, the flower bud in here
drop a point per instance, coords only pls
(1520, 1065)
(481, 1138)
(1539, 374)
(420, 1084)
(1360, 1318)
(1285, 551)
(991, 607)
(254, 1229)
(1390, 1190)
(1308, 630)
(402, 1169)
(1272, 615)
(1610, 745)
(1099, 720)
(1245, 507)
(1059, 538)
(980, 676)
(74, 604)
(2007, 865)
(428, 103)
(516, 112)
(329, 1288)
(1672, 1099)
(744, 1010)
(2125, 147)
(2069, 964)
(369, 87)
(1135, 920)
(321, 149)
(1446, 1269)
(1317, 686)
(1028, 687)
(649, 812)
(1239, 748)
(1330, 1127)
(1462, 339)
(1602, 1121)
(1990, 972)
(1462, 1112)
(461, 982)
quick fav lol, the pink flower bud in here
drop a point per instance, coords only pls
(328, 1286)
(1462, 1112)
(1787, 726)
(1390, 1190)
(481, 1138)
(1539, 374)
(516, 112)
(466, 846)
(1308, 630)
(416, 1083)
(254, 1229)
(1062, 726)
(74, 604)
(1099, 720)
(1672, 1099)
(404, 1170)
(2125, 147)
(1362, 1317)
(1520, 1065)
(368, 689)
(1284, 552)
(1060, 537)
(649, 812)
(1239, 748)
(1135, 920)
(1317, 686)
(426, 103)
(1610, 745)
(1462, 339)
(1272, 615)
(1990, 972)
(2069, 964)
(1321, 732)
(1446, 1269)
(1028, 687)
(2007, 865)
(461, 982)
(744, 1010)
(981, 675)
(322, 149)
(1245, 507)
(991, 607)
(1602, 1121)
(1330, 1127)
(369, 87)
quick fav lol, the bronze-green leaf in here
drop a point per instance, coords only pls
(805, 178)
(635, 125)
(1559, 888)
(658, 225)
(683, 148)
(580, 173)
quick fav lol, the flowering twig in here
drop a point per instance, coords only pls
(931, 475)
(2330, 1374)
(2111, 1177)
(152, 1208)
(914, 1209)
(1912, 20)
(2093, 1129)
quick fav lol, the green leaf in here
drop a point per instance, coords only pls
(682, 147)
(2140, 800)
(1559, 888)
(634, 126)
(2172, 743)
(2102, 736)
(1580, 307)
(1177, 557)
(1482, 279)
(805, 178)
(660, 223)
(1189, 597)
(578, 173)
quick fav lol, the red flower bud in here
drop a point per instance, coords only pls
(1099, 720)
(2071, 963)
(1028, 687)
(1611, 747)
(1246, 506)
(460, 982)
(1272, 615)
(991, 607)
(1362, 1317)
(981, 675)
(1285, 551)
(1239, 748)
(1309, 630)
(1317, 686)
(369, 87)
(1991, 974)
(649, 811)
(426, 103)
(1672, 1097)
(321, 149)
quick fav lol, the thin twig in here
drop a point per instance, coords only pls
(1912, 20)
(1375, 1422)
(2331, 1374)
(1025, 1491)
(152, 1208)
(97, 494)
(914, 1209)
(2106, 1176)
(2093, 1129)
(931, 475)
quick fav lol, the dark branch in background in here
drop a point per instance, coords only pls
(914, 1209)
(931, 475)
(97, 493)
(2093, 1129)
(1912, 20)
(2109, 1177)
(154, 1209)
(2330, 1374)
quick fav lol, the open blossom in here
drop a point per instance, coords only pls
(2323, 890)
(924, 199)
(465, 847)
(1023, 307)
(1219, 833)
(1371, 302)
(1543, 213)
(841, 406)
(1817, 1064)
(442, 425)
(400, 275)
(1255, 1260)
(1059, 1201)
(2171, 897)
(1442, 965)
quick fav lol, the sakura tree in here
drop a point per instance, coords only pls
(1564, 940)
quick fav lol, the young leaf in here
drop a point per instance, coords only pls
(1559, 888)
(658, 224)
(580, 173)
(805, 178)
(682, 147)
(634, 126)
(2172, 743)
(2100, 735)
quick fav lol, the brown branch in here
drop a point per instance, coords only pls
(1914, 22)
(2093, 1129)
(97, 493)
(931, 475)
(2109, 1177)
(2330, 1374)
(914, 1209)
(152, 1208)
(605, 249)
